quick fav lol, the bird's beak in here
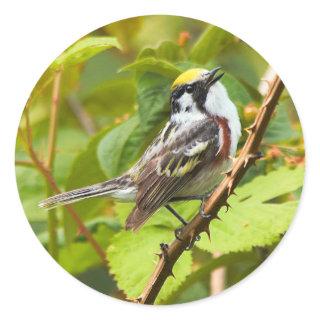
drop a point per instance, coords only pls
(213, 77)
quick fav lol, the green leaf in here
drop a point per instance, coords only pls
(133, 148)
(112, 148)
(238, 94)
(270, 186)
(70, 142)
(152, 97)
(83, 50)
(80, 256)
(32, 189)
(167, 50)
(280, 129)
(132, 259)
(154, 65)
(197, 291)
(147, 53)
(162, 217)
(85, 171)
(251, 221)
(211, 42)
(244, 63)
(100, 69)
(170, 51)
(109, 97)
(185, 294)
(78, 53)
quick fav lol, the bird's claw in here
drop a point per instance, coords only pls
(177, 233)
(191, 244)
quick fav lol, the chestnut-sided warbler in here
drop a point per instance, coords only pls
(185, 160)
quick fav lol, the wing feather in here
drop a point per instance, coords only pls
(171, 169)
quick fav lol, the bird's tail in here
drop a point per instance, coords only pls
(120, 188)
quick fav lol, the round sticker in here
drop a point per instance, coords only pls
(159, 159)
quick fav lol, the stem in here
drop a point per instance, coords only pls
(52, 140)
(248, 155)
(52, 135)
(217, 277)
(27, 141)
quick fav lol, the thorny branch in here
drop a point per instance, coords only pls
(44, 169)
(248, 155)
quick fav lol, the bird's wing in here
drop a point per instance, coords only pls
(172, 168)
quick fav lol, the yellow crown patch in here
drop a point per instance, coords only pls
(188, 76)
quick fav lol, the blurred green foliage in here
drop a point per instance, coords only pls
(113, 100)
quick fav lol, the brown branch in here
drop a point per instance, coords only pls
(52, 135)
(53, 247)
(27, 141)
(249, 154)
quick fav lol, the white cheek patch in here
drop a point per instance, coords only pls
(185, 100)
(188, 110)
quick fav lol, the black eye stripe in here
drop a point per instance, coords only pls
(178, 92)
(199, 94)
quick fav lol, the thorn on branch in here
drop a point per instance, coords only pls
(171, 273)
(251, 128)
(259, 155)
(137, 300)
(193, 239)
(207, 231)
(164, 249)
(232, 158)
(159, 255)
(252, 156)
(227, 205)
(227, 173)
(230, 186)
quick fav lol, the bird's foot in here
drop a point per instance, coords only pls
(177, 233)
(192, 241)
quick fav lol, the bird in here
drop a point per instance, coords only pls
(185, 161)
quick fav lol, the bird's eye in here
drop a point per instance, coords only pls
(189, 89)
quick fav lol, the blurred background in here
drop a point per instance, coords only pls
(91, 116)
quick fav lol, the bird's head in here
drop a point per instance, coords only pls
(197, 94)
